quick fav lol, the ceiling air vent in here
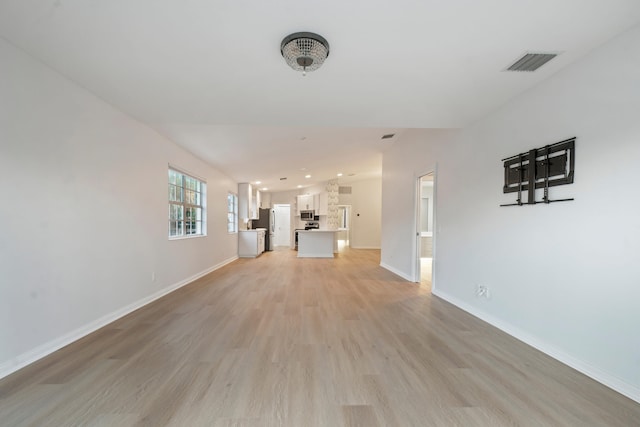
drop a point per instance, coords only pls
(531, 61)
(388, 136)
(344, 190)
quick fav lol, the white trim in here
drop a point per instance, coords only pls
(186, 172)
(46, 349)
(397, 272)
(365, 247)
(602, 377)
(186, 236)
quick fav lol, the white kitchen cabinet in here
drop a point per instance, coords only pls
(261, 240)
(250, 243)
(245, 201)
(265, 200)
(322, 207)
(305, 203)
(255, 205)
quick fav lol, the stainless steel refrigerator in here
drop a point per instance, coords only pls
(266, 219)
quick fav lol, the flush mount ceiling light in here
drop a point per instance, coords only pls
(304, 51)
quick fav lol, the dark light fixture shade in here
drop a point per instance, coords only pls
(304, 51)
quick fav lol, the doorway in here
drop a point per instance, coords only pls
(282, 225)
(425, 227)
(343, 235)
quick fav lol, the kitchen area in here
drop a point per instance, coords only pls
(316, 239)
(311, 232)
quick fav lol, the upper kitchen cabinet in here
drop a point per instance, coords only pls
(319, 203)
(305, 203)
(265, 200)
(256, 204)
(246, 204)
(322, 205)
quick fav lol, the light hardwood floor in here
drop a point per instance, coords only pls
(281, 341)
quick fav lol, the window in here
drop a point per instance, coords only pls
(187, 202)
(232, 213)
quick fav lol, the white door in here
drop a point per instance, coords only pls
(282, 223)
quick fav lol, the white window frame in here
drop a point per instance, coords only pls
(232, 215)
(187, 197)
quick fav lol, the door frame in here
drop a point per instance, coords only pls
(417, 243)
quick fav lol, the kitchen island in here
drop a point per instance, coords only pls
(317, 243)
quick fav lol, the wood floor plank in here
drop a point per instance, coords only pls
(282, 341)
(360, 416)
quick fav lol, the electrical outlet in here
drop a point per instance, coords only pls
(482, 291)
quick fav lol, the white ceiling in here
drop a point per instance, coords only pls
(209, 74)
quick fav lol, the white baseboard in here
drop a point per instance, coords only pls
(365, 247)
(19, 362)
(398, 272)
(602, 377)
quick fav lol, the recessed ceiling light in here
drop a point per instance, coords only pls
(264, 188)
(303, 169)
(258, 182)
(307, 176)
(340, 174)
(299, 186)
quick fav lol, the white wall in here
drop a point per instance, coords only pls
(413, 156)
(84, 212)
(564, 277)
(366, 205)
